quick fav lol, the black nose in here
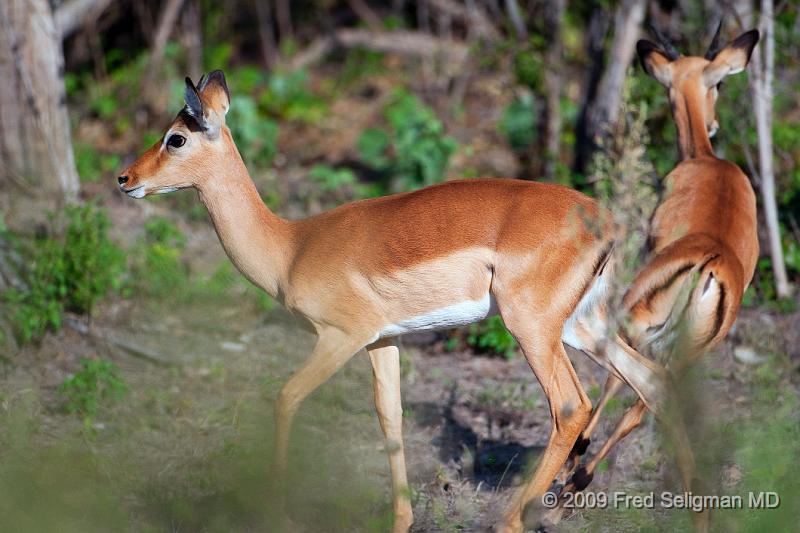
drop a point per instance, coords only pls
(122, 180)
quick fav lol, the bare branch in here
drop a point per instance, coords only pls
(516, 19)
(73, 13)
(470, 13)
(408, 43)
(283, 12)
(269, 47)
(365, 13)
(166, 23)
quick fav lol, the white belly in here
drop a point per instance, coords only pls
(452, 316)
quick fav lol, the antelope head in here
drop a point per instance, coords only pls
(196, 142)
(692, 81)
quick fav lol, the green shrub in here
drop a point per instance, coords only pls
(340, 181)
(96, 381)
(67, 272)
(93, 165)
(289, 97)
(518, 123)
(157, 266)
(492, 336)
(528, 69)
(332, 179)
(414, 151)
(256, 135)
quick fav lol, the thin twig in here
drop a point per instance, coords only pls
(142, 353)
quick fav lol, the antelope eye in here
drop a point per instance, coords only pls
(176, 141)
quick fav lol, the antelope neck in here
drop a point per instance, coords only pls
(256, 240)
(693, 140)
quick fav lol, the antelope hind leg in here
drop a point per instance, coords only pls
(570, 410)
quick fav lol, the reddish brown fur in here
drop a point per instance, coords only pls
(369, 265)
(706, 227)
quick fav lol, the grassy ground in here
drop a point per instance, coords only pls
(188, 448)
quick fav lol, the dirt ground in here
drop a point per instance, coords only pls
(189, 447)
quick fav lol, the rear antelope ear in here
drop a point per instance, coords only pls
(730, 59)
(655, 61)
(209, 102)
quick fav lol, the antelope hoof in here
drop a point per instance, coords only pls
(508, 526)
(581, 478)
(402, 524)
(580, 447)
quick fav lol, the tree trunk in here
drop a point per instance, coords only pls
(269, 46)
(552, 82)
(72, 14)
(35, 141)
(603, 109)
(595, 39)
(516, 20)
(761, 83)
(627, 21)
(283, 12)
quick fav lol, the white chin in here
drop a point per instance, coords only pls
(166, 190)
(712, 132)
(136, 193)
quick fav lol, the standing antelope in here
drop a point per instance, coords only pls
(447, 255)
(703, 237)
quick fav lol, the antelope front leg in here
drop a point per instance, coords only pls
(334, 348)
(385, 358)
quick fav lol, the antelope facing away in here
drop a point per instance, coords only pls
(703, 239)
(366, 272)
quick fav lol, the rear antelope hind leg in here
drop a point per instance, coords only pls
(659, 400)
(570, 408)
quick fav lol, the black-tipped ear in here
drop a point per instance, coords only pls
(218, 77)
(655, 61)
(643, 50)
(746, 42)
(732, 58)
(193, 103)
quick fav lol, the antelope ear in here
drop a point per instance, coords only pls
(655, 61)
(194, 105)
(731, 59)
(213, 91)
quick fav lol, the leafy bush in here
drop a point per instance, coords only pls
(492, 336)
(414, 151)
(91, 164)
(528, 69)
(340, 181)
(288, 96)
(158, 266)
(518, 123)
(256, 135)
(97, 380)
(332, 179)
(70, 272)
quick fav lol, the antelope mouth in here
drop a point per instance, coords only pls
(135, 192)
